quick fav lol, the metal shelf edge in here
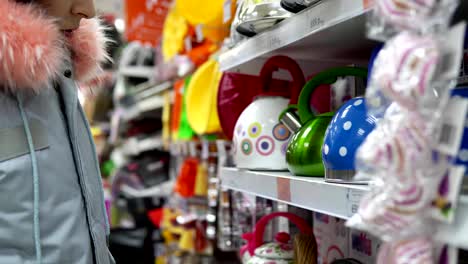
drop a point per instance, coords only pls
(320, 17)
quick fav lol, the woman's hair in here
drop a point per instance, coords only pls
(24, 1)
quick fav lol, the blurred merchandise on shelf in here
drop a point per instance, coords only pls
(145, 20)
(201, 95)
(297, 6)
(174, 33)
(337, 242)
(332, 238)
(256, 16)
(272, 94)
(256, 251)
(180, 128)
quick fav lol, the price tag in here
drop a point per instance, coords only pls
(227, 11)
(316, 22)
(275, 42)
(283, 186)
(453, 126)
(354, 198)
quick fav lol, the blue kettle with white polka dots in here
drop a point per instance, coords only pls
(346, 132)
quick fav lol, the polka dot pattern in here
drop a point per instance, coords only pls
(326, 149)
(358, 102)
(347, 125)
(343, 151)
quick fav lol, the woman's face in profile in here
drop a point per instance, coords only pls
(68, 12)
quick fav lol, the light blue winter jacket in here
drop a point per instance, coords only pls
(51, 199)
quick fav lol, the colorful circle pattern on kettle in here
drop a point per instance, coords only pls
(281, 132)
(246, 146)
(265, 145)
(239, 130)
(255, 130)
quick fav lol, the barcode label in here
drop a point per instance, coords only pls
(354, 199)
(446, 63)
(447, 136)
(453, 126)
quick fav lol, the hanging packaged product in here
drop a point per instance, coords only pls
(417, 72)
(260, 141)
(405, 155)
(393, 16)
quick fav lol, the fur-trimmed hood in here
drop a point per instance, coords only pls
(33, 50)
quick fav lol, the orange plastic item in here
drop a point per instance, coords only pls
(177, 108)
(201, 53)
(185, 185)
(145, 20)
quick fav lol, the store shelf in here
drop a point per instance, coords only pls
(146, 105)
(333, 30)
(164, 189)
(134, 146)
(340, 200)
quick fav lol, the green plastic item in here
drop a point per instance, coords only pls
(185, 130)
(304, 153)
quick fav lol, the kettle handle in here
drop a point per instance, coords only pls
(283, 62)
(326, 77)
(259, 229)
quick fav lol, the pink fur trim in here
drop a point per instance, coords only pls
(87, 44)
(32, 50)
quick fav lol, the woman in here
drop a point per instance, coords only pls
(51, 199)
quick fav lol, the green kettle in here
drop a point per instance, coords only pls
(304, 153)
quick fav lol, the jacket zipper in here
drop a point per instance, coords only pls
(89, 213)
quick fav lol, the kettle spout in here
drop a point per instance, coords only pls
(291, 120)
